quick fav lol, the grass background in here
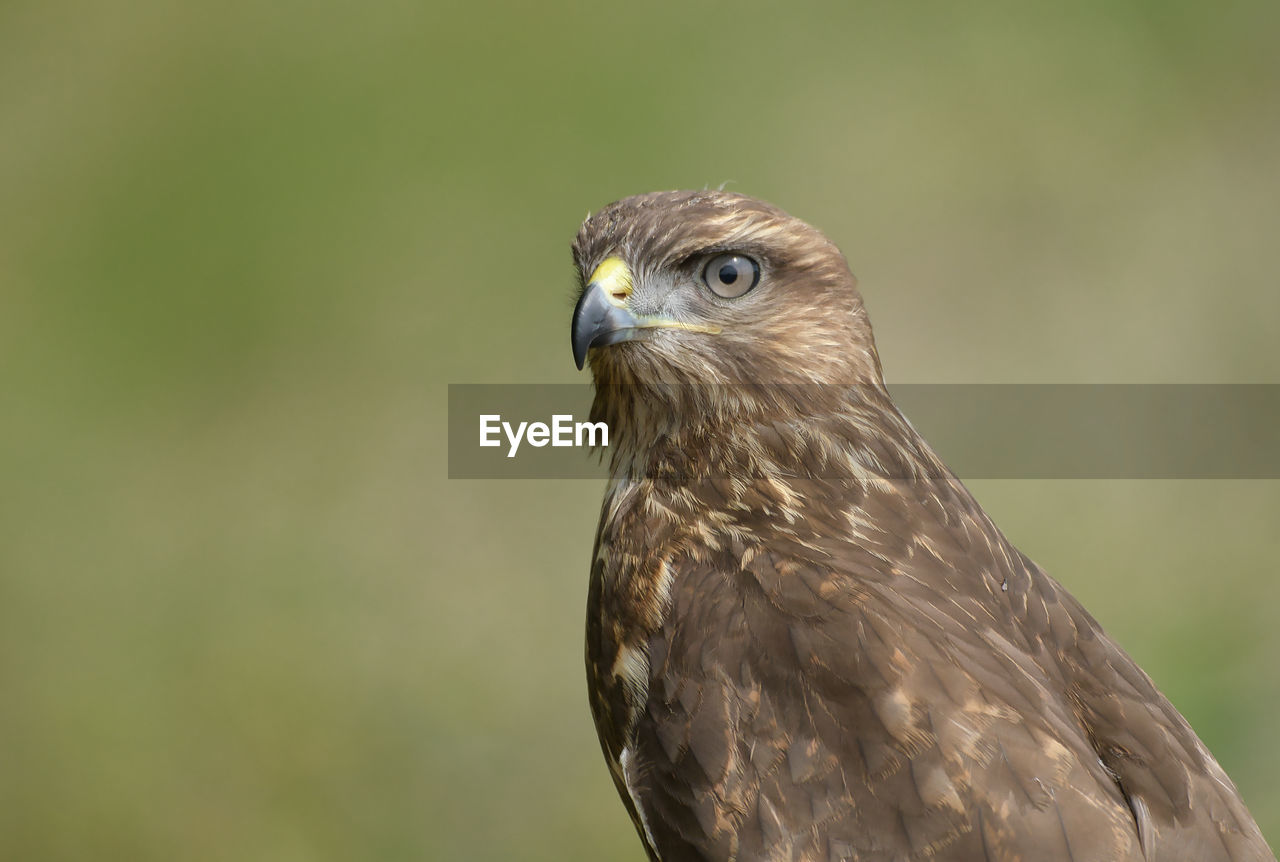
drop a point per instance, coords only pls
(245, 246)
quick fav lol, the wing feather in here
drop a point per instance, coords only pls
(811, 704)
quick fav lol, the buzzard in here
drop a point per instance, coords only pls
(805, 638)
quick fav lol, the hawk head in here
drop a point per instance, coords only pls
(710, 287)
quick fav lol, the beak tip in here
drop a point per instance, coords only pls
(597, 321)
(589, 318)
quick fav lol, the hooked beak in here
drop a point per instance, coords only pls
(602, 316)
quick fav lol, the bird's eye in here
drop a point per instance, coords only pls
(731, 275)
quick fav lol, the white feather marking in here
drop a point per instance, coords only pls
(625, 760)
(666, 580)
(631, 667)
(1142, 818)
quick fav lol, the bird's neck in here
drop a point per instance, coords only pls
(678, 435)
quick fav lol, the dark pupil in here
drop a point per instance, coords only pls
(728, 273)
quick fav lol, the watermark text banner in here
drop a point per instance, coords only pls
(982, 431)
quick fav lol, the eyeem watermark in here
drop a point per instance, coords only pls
(982, 431)
(563, 431)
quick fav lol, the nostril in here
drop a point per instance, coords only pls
(619, 295)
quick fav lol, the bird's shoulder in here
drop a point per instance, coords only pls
(896, 661)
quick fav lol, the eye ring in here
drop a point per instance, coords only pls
(730, 275)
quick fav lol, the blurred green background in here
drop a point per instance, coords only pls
(245, 246)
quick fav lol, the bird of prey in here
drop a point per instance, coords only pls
(805, 639)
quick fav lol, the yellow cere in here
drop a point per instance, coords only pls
(613, 276)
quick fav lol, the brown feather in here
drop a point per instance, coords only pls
(806, 640)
